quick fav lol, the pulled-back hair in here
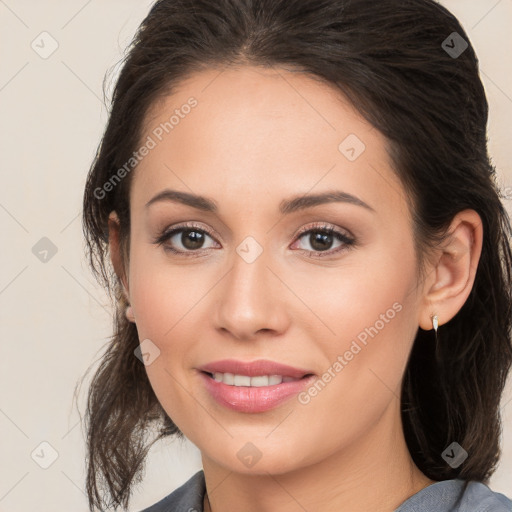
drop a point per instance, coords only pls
(388, 59)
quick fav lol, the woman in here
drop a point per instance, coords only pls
(311, 260)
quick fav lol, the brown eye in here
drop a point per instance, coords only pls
(192, 239)
(184, 239)
(321, 239)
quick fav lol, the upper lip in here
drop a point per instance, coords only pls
(254, 368)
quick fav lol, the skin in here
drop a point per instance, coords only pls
(256, 137)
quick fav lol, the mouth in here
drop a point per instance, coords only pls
(255, 381)
(258, 373)
(253, 393)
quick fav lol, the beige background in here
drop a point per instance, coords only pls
(54, 317)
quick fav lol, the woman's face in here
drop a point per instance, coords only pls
(248, 285)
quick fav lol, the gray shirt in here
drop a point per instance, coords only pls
(442, 496)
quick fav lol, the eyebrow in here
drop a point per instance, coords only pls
(286, 206)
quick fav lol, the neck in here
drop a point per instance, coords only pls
(374, 473)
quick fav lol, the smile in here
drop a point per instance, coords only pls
(247, 381)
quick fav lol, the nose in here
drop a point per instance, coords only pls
(251, 300)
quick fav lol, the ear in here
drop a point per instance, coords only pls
(115, 251)
(451, 276)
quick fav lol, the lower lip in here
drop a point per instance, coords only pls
(254, 399)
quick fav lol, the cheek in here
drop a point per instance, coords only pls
(371, 312)
(366, 297)
(363, 371)
(167, 301)
(161, 315)
(161, 293)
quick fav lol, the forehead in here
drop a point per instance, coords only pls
(261, 132)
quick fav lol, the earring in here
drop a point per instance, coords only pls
(435, 322)
(435, 325)
(129, 314)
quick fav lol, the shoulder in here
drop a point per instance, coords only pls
(479, 498)
(187, 498)
(455, 496)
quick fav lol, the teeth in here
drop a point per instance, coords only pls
(241, 380)
(255, 382)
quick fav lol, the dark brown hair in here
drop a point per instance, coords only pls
(388, 59)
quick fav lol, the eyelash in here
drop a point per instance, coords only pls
(348, 242)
